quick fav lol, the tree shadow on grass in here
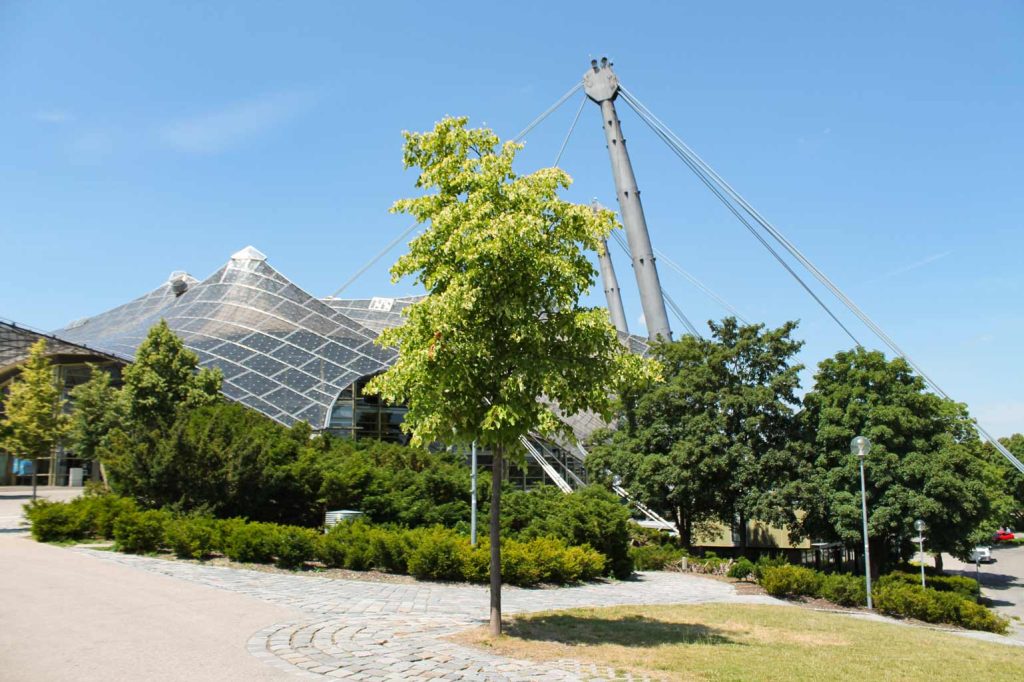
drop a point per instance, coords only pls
(634, 631)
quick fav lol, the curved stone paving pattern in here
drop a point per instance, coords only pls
(386, 631)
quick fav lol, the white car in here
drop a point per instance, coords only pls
(982, 555)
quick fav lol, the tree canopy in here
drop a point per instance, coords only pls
(925, 461)
(34, 420)
(716, 440)
(504, 262)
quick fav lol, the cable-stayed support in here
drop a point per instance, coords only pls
(719, 185)
(700, 285)
(740, 217)
(518, 138)
(572, 127)
(669, 302)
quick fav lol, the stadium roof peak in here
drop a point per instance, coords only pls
(248, 253)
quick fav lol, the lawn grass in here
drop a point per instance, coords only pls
(750, 642)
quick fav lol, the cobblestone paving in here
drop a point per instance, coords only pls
(385, 631)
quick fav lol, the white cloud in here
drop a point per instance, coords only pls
(902, 270)
(219, 130)
(1001, 419)
(54, 116)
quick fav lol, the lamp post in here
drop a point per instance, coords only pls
(860, 446)
(920, 527)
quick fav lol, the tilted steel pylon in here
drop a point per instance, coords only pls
(611, 283)
(602, 86)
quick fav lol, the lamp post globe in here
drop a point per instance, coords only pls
(920, 526)
(860, 446)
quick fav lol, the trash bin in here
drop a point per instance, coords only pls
(75, 477)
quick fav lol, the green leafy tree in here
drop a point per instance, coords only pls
(164, 377)
(504, 262)
(97, 410)
(34, 419)
(714, 442)
(1009, 504)
(925, 462)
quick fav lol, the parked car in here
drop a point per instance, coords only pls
(982, 555)
(1003, 535)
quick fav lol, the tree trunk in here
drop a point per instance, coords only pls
(495, 535)
(938, 561)
(742, 521)
(103, 475)
(35, 474)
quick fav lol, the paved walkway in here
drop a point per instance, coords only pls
(378, 631)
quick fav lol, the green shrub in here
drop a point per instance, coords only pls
(103, 510)
(193, 537)
(742, 569)
(438, 554)
(294, 546)
(655, 557)
(790, 581)
(140, 532)
(912, 601)
(55, 521)
(255, 543)
(965, 587)
(352, 545)
(764, 562)
(843, 589)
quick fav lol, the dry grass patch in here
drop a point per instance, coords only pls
(750, 642)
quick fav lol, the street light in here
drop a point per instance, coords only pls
(861, 446)
(920, 527)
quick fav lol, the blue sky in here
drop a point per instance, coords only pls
(884, 139)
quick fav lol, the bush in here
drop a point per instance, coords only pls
(355, 545)
(193, 538)
(843, 589)
(141, 532)
(103, 510)
(55, 521)
(655, 557)
(294, 546)
(966, 588)
(742, 569)
(790, 581)
(765, 562)
(913, 601)
(438, 555)
(255, 543)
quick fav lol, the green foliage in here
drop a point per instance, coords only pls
(439, 554)
(587, 516)
(253, 543)
(656, 557)
(98, 410)
(504, 262)
(194, 537)
(164, 378)
(966, 588)
(55, 521)
(765, 562)
(715, 441)
(843, 589)
(913, 601)
(90, 516)
(33, 418)
(741, 569)
(295, 546)
(926, 461)
(141, 532)
(790, 581)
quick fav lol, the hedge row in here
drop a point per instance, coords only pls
(954, 603)
(436, 552)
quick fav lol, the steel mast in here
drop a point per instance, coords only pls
(602, 87)
(611, 283)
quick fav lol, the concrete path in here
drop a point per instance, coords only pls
(1002, 582)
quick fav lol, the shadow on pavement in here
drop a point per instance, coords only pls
(637, 631)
